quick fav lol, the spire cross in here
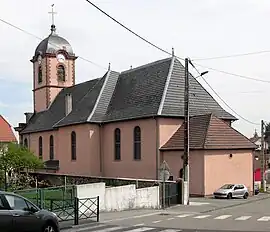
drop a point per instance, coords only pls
(53, 13)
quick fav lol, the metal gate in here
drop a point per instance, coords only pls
(76, 210)
(171, 193)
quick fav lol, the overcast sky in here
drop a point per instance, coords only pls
(195, 28)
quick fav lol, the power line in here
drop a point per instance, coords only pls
(233, 74)
(222, 98)
(233, 55)
(134, 33)
(161, 49)
(24, 31)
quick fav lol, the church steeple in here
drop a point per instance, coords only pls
(54, 68)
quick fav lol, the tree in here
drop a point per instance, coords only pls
(15, 158)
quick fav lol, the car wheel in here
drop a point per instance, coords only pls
(49, 228)
(229, 196)
(245, 196)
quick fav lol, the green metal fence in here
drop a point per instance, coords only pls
(44, 196)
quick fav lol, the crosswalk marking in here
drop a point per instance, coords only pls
(170, 230)
(184, 215)
(243, 218)
(110, 229)
(222, 217)
(202, 216)
(264, 219)
(154, 222)
(140, 229)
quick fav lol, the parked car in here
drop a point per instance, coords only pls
(230, 191)
(17, 214)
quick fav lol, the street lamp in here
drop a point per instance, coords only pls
(185, 187)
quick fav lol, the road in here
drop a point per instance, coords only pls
(246, 217)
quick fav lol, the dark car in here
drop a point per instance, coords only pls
(17, 214)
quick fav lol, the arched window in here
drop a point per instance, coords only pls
(117, 144)
(61, 73)
(137, 142)
(40, 149)
(51, 148)
(25, 143)
(39, 74)
(73, 145)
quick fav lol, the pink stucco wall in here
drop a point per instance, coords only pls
(196, 175)
(127, 166)
(87, 162)
(95, 148)
(221, 169)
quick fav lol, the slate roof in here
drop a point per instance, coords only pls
(209, 132)
(6, 133)
(155, 89)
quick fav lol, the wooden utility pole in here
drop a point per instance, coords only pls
(262, 158)
(186, 136)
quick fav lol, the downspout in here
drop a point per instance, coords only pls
(157, 150)
(100, 150)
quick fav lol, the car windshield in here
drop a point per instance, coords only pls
(227, 186)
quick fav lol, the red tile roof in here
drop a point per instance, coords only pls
(6, 133)
(209, 132)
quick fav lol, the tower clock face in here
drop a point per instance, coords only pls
(61, 58)
(39, 59)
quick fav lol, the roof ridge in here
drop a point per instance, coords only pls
(206, 132)
(165, 90)
(145, 65)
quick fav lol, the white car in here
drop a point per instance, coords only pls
(230, 191)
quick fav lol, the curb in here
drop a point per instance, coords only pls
(231, 206)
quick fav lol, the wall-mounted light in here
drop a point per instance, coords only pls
(256, 157)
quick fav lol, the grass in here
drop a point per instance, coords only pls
(52, 198)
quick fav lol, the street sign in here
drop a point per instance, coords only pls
(164, 175)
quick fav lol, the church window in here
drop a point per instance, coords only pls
(73, 145)
(61, 73)
(25, 143)
(51, 148)
(40, 149)
(39, 74)
(137, 143)
(117, 144)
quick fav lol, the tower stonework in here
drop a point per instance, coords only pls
(53, 69)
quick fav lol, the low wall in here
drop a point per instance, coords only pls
(121, 197)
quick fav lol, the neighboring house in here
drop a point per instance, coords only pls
(115, 125)
(6, 133)
(218, 154)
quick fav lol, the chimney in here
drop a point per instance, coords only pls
(28, 116)
(68, 102)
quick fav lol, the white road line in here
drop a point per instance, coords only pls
(222, 217)
(170, 219)
(108, 229)
(132, 217)
(142, 224)
(140, 229)
(243, 218)
(202, 216)
(184, 215)
(264, 219)
(85, 228)
(170, 230)
(154, 222)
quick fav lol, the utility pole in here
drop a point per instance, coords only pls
(186, 137)
(262, 158)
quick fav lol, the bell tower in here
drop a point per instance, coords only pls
(53, 68)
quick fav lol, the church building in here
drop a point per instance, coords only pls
(124, 124)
